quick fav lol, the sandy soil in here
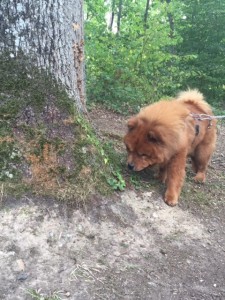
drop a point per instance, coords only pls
(131, 246)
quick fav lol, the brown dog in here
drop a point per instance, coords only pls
(165, 133)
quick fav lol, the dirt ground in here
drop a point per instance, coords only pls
(131, 246)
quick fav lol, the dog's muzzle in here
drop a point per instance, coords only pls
(130, 166)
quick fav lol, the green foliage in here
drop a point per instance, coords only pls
(99, 158)
(181, 45)
(117, 182)
(133, 67)
(10, 157)
(204, 41)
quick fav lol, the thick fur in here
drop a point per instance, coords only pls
(165, 133)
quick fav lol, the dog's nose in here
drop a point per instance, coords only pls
(130, 166)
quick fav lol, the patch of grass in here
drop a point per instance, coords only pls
(117, 182)
(86, 273)
(143, 180)
(17, 189)
(136, 181)
(207, 193)
(28, 131)
(38, 295)
(194, 192)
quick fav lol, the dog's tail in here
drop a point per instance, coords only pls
(194, 97)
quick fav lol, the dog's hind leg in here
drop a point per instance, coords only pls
(201, 159)
(194, 165)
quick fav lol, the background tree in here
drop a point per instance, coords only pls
(202, 50)
(162, 47)
(119, 16)
(50, 33)
(134, 67)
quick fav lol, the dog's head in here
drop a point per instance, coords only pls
(144, 144)
(156, 134)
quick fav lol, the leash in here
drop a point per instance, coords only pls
(202, 117)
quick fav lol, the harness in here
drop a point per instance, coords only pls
(201, 117)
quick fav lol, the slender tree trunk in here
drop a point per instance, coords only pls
(111, 21)
(146, 13)
(119, 16)
(51, 33)
(112, 16)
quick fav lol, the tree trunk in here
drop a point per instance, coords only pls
(119, 16)
(112, 16)
(50, 32)
(146, 13)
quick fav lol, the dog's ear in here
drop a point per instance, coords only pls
(154, 138)
(132, 123)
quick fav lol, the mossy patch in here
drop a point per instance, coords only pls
(45, 145)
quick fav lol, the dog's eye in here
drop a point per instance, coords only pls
(142, 155)
(153, 140)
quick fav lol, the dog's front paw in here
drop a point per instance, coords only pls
(171, 199)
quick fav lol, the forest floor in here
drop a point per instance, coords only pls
(127, 246)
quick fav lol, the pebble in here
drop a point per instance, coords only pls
(155, 215)
(80, 229)
(90, 236)
(163, 252)
(152, 284)
(22, 276)
(20, 265)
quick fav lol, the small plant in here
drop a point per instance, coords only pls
(10, 156)
(37, 295)
(135, 181)
(117, 182)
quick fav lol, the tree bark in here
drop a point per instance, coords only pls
(119, 16)
(146, 13)
(50, 32)
(112, 16)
